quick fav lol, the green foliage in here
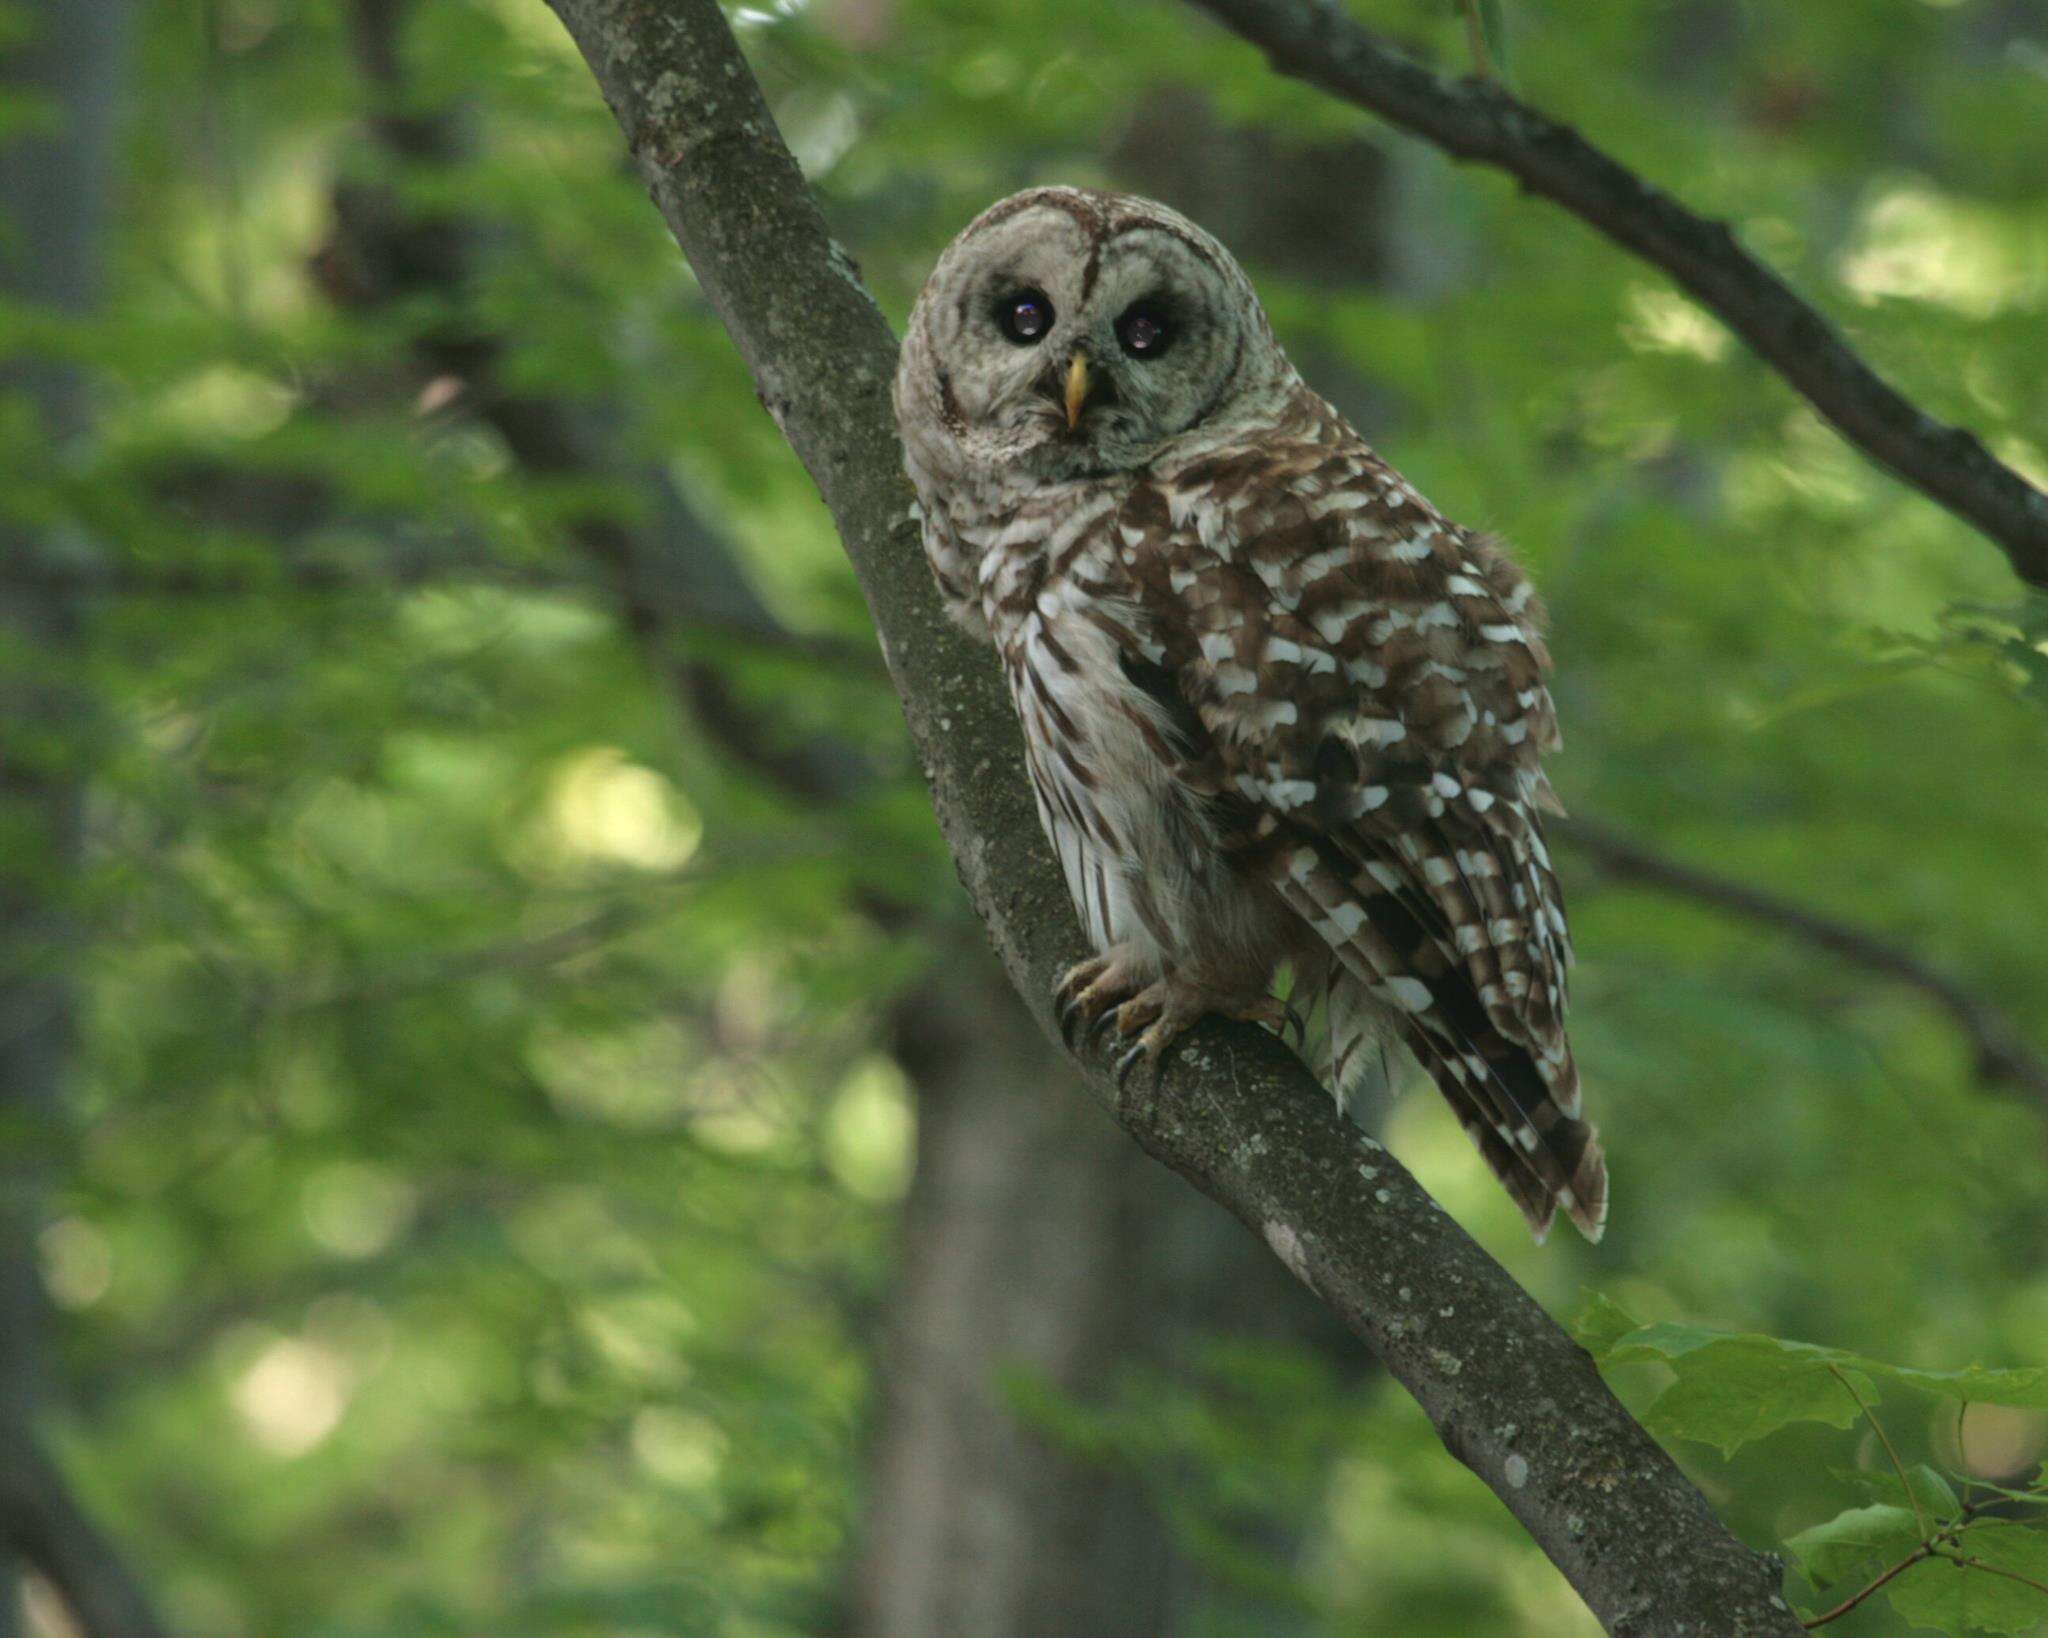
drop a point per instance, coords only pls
(1852, 1541)
(480, 1168)
(1728, 1390)
(1940, 1560)
(1489, 25)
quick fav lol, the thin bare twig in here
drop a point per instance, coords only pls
(1890, 1449)
(1970, 1561)
(1916, 1556)
(1315, 41)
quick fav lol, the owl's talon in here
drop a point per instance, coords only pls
(1141, 1014)
(1150, 1049)
(1276, 1015)
(1066, 1011)
(1108, 992)
(1090, 992)
(1105, 1019)
(1153, 1020)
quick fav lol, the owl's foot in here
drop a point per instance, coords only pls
(1276, 1015)
(1090, 991)
(1161, 1013)
(1151, 1021)
(1117, 991)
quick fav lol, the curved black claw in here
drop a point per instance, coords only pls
(1299, 1024)
(1070, 996)
(1066, 1008)
(1090, 995)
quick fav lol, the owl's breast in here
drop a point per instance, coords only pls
(1137, 842)
(1091, 735)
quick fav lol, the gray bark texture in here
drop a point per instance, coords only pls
(1012, 1239)
(1038, 1243)
(1509, 1392)
(1475, 119)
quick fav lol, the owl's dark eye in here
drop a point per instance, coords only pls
(1143, 331)
(1024, 316)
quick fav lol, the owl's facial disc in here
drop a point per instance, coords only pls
(1074, 335)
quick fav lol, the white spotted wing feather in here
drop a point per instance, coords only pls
(1370, 679)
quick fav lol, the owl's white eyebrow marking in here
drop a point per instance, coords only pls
(1134, 227)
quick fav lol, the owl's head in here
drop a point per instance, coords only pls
(1071, 334)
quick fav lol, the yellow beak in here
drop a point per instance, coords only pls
(1077, 390)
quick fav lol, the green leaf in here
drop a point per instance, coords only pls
(1958, 1597)
(1861, 1541)
(1602, 1323)
(2025, 1387)
(1493, 27)
(1933, 1493)
(1486, 32)
(1735, 1387)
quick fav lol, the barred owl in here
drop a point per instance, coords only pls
(1278, 710)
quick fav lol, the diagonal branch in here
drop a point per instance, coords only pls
(1313, 40)
(1510, 1393)
(2002, 1052)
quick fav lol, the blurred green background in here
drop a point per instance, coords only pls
(509, 1127)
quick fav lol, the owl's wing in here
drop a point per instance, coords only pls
(1369, 679)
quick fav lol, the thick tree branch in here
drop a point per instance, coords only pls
(1510, 1393)
(1313, 40)
(2002, 1052)
(40, 1520)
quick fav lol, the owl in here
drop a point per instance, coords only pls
(1279, 712)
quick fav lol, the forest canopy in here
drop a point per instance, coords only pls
(511, 1124)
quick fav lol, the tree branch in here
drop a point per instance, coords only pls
(2002, 1052)
(1510, 1393)
(41, 1521)
(1314, 41)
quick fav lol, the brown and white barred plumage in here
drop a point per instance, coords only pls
(1276, 707)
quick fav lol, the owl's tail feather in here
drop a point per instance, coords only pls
(1543, 1157)
(1357, 1032)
